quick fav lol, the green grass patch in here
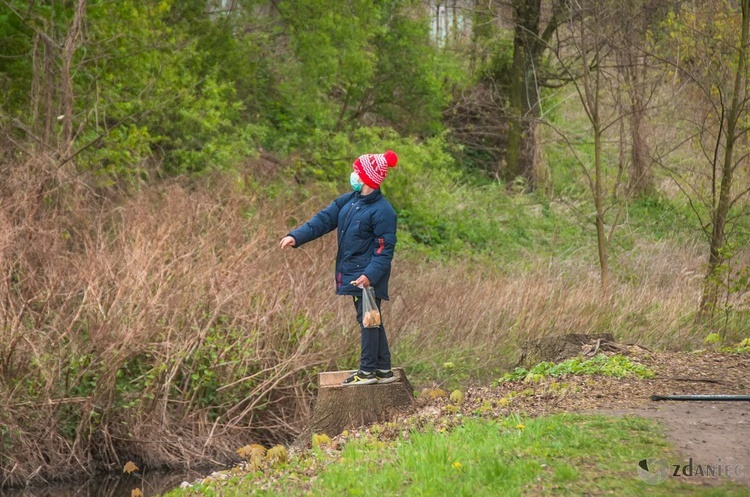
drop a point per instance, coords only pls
(617, 366)
(552, 455)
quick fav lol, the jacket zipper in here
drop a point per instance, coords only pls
(347, 221)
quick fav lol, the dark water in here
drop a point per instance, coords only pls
(112, 485)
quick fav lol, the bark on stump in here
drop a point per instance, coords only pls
(560, 348)
(340, 407)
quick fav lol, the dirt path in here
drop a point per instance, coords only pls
(711, 433)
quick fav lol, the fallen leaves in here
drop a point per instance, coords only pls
(250, 452)
(277, 455)
(318, 440)
(257, 457)
(432, 394)
(572, 393)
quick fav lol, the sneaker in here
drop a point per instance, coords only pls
(361, 378)
(385, 376)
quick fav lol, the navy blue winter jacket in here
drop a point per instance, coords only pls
(366, 239)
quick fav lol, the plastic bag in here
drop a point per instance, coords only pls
(370, 311)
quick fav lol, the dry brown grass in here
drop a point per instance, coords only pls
(491, 315)
(168, 328)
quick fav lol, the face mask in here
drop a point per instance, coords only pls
(355, 182)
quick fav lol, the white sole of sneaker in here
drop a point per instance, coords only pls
(387, 380)
(363, 382)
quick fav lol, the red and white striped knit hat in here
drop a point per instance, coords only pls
(372, 168)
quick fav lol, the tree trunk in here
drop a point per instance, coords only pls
(482, 18)
(601, 237)
(43, 90)
(590, 98)
(522, 159)
(632, 65)
(446, 24)
(66, 77)
(339, 407)
(437, 22)
(719, 215)
(455, 22)
(521, 156)
(641, 177)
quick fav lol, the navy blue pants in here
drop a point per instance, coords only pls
(375, 352)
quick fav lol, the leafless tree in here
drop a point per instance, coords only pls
(639, 82)
(711, 68)
(586, 59)
(52, 93)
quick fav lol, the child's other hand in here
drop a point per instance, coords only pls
(362, 281)
(287, 241)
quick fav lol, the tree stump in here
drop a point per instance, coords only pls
(559, 348)
(340, 407)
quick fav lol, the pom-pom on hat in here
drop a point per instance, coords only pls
(372, 168)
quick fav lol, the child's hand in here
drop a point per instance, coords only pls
(287, 241)
(362, 281)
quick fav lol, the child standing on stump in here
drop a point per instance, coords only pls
(366, 225)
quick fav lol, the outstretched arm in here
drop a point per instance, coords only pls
(321, 223)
